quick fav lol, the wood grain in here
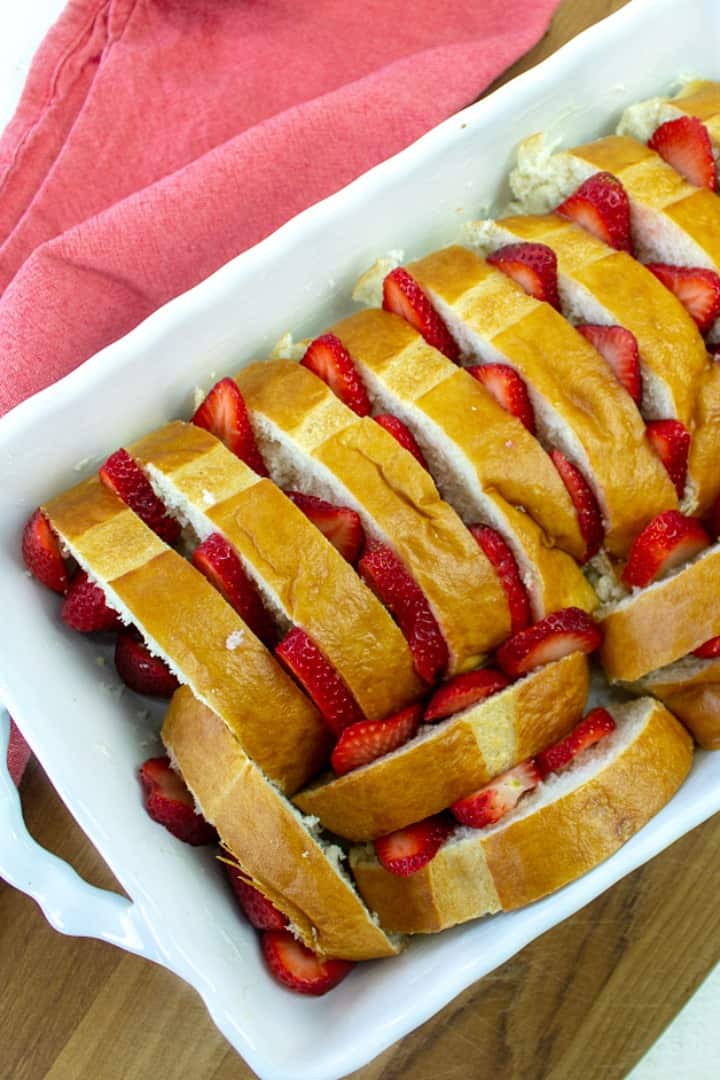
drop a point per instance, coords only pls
(587, 999)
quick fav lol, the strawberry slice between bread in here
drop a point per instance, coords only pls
(584, 501)
(619, 348)
(709, 650)
(139, 669)
(368, 740)
(298, 968)
(595, 726)
(555, 636)
(41, 553)
(122, 475)
(328, 358)
(339, 524)
(85, 608)
(493, 801)
(381, 569)
(684, 143)
(320, 680)
(697, 289)
(218, 561)
(601, 206)
(670, 440)
(224, 414)
(258, 910)
(407, 850)
(669, 540)
(532, 266)
(462, 691)
(404, 297)
(508, 389)
(169, 803)
(402, 434)
(503, 562)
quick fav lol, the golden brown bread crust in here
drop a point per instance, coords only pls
(630, 482)
(701, 98)
(534, 855)
(693, 698)
(400, 499)
(461, 754)
(190, 623)
(263, 833)
(664, 622)
(314, 585)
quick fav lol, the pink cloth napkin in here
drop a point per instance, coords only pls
(156, 139)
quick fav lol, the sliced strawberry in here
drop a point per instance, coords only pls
(224, 414)
(670, 440)
(557, 635)
(340, 524)
(714, 350)
(169, 802)
(221, 565)
(406, 851)
(139, 669)
(670, 540)
(715, 519)
(402, 434)
(490, 803)
(619, 348)
(504, 565)
(362, 743)
(601, 206)
(298, 968)
(709, 650)
(697, 289)
(685, 144)
(41, 553)
(259, 911)
(584, 501)
(462, 691)
(595, 726)
(85, 607)
(532, 266)
(123, 476)
(328, 358)
(403, 597)
(403, 296)
(508, 389)
(320, 680)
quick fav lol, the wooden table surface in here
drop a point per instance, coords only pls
(586, 1000)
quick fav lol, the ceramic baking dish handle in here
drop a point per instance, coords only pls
(69, 904)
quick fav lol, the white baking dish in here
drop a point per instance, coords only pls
(90, 740)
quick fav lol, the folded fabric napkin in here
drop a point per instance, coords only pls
(156, 139)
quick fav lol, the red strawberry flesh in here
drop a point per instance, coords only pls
(532, 266)
(503, 562)
(404, 296)
(584, 501)
(218, 561)
(259, 911)
(669, 540)
(139, 669)
(123, 476)
(297, 968)
(402, 434)
(697, 289)
(496, 799)
(402, 596)
(600, 205)
(320, 680)
(407, 850)
(557, 635)
(670, 440)
(595, 726)
(328, 358)
(709, 650)
(368, 740)
(41, 553)
(85, 608)
(224, 414)
(508, 389)
(619, 348)
(339, 524)
(462, 691)
(169, 802)
(685, 144)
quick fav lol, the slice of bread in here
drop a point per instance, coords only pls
(281, 852)
(314, 443)
(571, 822)
(580, 407)
(302, 578)
(697, 97)
(187, 623)
(691, 690)
(448, 760)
